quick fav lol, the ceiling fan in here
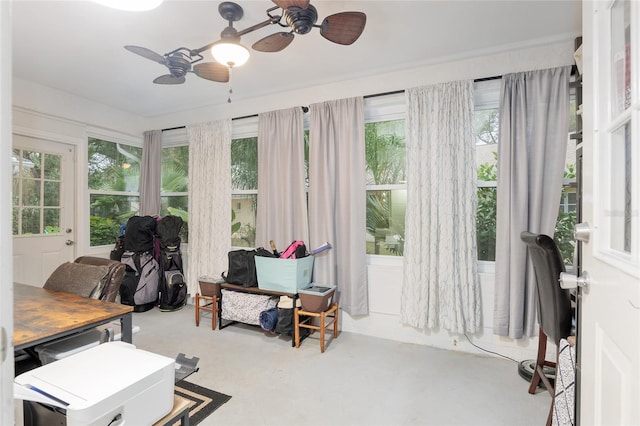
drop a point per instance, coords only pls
(298, 15)
(301, 16)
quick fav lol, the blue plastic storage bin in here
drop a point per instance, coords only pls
(283, 275)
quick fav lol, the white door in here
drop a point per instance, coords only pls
(43, 208)
(609, 333)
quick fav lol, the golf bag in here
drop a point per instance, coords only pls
(139, 286)
(173, 287)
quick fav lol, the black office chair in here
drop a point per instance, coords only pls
(554, 304)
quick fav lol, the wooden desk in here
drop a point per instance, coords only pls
(43, 315)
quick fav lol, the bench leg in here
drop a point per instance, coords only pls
(322, 329)
(296, 328)
(197, 309)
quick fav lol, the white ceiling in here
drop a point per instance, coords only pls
(77, 46)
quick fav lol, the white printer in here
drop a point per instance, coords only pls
(110, 384)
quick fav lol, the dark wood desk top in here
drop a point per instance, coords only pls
(41, 314)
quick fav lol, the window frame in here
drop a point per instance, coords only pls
(243, 128)
(84, 223)
(387, 107)
(175, 138)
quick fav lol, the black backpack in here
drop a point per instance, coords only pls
(168, 230)
(139, 234)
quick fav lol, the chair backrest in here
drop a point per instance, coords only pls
(554, 302)
(84, 280)
(114, 275)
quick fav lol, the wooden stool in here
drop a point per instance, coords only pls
(180, 411)
(308, 323)
(210, 305)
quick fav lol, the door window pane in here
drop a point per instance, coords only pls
(52, 166)
(51, 221)
(36, 185)
(30, 221)
(620, 211)
(621, 56)
(52, 193)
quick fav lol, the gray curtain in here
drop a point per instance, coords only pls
(150, 173)
(282, 199)
(441, 287)
(209, 200)
(337, 199)
(534, 117)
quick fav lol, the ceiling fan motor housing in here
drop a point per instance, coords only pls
(178, 65)
(301, 20)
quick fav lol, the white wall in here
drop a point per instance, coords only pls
(56, 114)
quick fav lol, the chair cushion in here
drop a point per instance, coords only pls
(83, 280)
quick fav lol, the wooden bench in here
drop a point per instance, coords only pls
(180, 411)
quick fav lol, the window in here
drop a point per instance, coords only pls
(36, 198)
(114, 179)
(385, 152)
(174, 196)
(486, 124)
(244, 191)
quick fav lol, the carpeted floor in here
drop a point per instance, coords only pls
(203, 401)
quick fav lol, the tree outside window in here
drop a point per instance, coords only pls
(487, 126)
(244, 191)
(114, 179)
(174, 195)
(36, 192)
(385, 152)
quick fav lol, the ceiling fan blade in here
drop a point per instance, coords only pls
(286, 4)
(169, 79)
(344, 27)
(273, 43)
(213, 71)
(146, 53)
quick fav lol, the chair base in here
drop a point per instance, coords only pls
(210, 305)
(330, 314)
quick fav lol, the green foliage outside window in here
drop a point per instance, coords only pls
(385, 155)
(486, 217)
(114, 179)
(244, 186)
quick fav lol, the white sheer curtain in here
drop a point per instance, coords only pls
(441, 288)
(337, 199)
(150, 173)
(282, 198)
(534, 127)
(209, 200)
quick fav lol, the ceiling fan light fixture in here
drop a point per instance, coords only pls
(131, 5)
(230, 53)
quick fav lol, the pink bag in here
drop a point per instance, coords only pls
(296, 250)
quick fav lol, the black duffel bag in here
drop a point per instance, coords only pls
(242, 268)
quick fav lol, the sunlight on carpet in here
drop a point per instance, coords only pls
(203, 401)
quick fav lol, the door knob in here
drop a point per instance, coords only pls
(582, 232)
(570, 281)
(69, 242)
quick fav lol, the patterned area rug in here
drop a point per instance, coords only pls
(203, 401)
